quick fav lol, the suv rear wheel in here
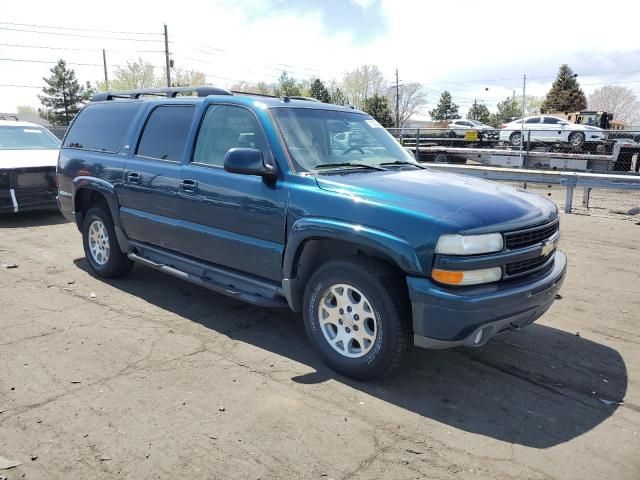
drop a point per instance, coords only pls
(101, 246)
(357, 317)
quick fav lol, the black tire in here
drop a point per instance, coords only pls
(576, 139)
(512, 138)
(441, 158)
(376, 280)
(117, 263)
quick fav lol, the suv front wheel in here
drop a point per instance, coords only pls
(101, 247)
(357, 317)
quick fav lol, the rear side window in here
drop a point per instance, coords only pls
(102, 127)
(553, 121)
(165, 133)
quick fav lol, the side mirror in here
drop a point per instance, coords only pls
(247, 161)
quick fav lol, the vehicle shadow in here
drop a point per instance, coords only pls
(538, 387)
(31, 219)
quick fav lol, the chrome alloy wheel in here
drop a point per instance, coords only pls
(99, 242)
(347, 320)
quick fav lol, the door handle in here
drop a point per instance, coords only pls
(188, 186)
(133, 177)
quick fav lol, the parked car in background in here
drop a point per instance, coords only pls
(257, 199)
(550, 129)
(459, 128)
(28, 158)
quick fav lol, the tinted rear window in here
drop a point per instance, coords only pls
(165, 132)
(102, 127)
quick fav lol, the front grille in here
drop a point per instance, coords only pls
(34, 180)
(526, 266)
(530, 236)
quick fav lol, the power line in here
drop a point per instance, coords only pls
(78, 49)
(219, 51)
(19, 86)
(24, 60)
(78, 29)
(61, 34)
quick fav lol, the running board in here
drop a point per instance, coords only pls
(264, 295)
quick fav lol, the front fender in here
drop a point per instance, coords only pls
(394, 247)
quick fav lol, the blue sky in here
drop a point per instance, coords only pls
(365, 20)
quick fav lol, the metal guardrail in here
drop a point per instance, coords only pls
(599, 149)
(569, 180)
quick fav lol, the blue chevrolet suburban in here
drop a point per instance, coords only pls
(267, 200)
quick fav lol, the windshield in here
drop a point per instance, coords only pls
(27, 138)
(324, 137)
(475, 122)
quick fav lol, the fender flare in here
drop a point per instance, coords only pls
(108, 192)
(392, 246)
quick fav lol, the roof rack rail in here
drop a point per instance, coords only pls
(4, 116)
(169, 92)
(301, 97)
(251, 94)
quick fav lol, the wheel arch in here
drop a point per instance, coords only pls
(89, 192)
(313, 241)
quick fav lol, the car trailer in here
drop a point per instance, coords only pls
(623, 157)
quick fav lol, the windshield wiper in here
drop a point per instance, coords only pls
(400, 162)
(348, 164)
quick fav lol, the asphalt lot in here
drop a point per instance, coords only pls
(151, 377)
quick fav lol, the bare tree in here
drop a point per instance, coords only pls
(621, 101)
(411, 98)
(362, 83)
(188, 78)
(138, 74)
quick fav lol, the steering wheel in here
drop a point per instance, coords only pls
(351, 149)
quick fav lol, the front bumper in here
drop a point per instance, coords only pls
(449, 317)
(27, 189)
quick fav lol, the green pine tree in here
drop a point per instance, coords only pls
(479, 112)
(446, 109)
(319, 91)
(287, 86)
(509, 109)
(565, 94)
(378, 108)
(338, 98)
(63, 95)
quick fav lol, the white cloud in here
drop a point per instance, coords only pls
(363, 3)
(460, 47)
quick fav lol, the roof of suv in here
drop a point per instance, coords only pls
(269, 102)
(10, 123)
(169, 95)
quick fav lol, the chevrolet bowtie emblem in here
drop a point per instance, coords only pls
(547, 248)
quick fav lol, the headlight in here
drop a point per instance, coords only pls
(467, 277)
(469, 244)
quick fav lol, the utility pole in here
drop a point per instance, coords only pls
(397, 101)
(524, 88)
(104, 62)
(166, 55)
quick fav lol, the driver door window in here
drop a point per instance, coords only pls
(225, 127)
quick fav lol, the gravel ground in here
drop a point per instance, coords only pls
(151, 377)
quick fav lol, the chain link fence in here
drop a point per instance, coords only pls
(581, 147)
(587, 199)
(544, 147)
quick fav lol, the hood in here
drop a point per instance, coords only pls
(588, 128)
(467, 203)
(28, 158)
